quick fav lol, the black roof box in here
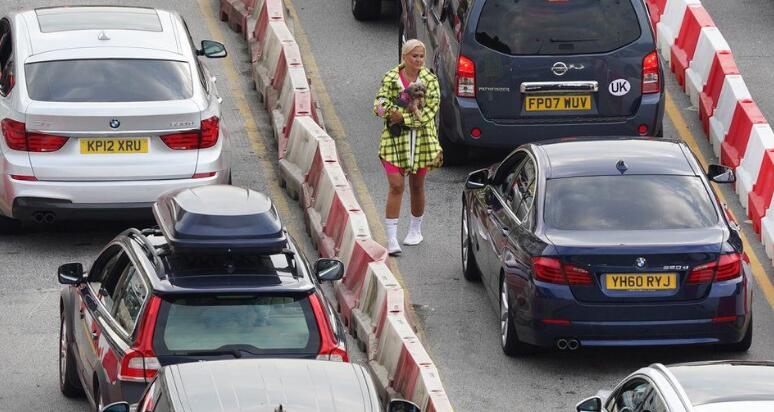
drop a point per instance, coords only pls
(220, 217)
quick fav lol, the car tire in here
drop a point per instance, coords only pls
(470, 268)
(509, 340)
(744, 344)
(366, 9)
(454, 154)
(68, 378)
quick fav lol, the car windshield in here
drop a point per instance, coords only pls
(628, 202)
(540, 27)
(279, 325)
(109, 80)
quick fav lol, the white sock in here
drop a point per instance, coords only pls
(391, 227)
(415, 225)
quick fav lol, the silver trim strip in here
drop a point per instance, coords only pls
(554, 87)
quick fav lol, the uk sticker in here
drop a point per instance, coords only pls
(619, 87)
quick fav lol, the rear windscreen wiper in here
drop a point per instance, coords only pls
(237, 353)
(552, 40)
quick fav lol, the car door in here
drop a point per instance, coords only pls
(95, 297)
(638, 394)
(511, 221)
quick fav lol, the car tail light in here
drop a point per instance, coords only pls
(466, 77)
(330, 348)
(206, 136)
(139, 363)
(650, 73)
(552, 270)
(727, 267)
(17, 138)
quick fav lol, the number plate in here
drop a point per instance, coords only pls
(635, 282)
(114, 146)
(555, 103)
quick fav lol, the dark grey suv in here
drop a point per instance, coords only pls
(513, 72)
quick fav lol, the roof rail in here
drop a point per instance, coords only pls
(150, 250)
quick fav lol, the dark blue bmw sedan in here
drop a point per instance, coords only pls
(606, 242)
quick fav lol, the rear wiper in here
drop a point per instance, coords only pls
(237, 353)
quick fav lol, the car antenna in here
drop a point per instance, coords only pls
(621, 166)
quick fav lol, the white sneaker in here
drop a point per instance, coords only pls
(413, 238)
(393, 247)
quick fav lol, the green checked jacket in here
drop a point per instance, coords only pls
(419, 130)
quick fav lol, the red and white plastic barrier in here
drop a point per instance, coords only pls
(759, 199)
(723, 65)
(761, 140)
(267, 58)
(304, 138)
(320, 186)
(295, 100)
(235, 12)
(669, 25)
(363, 252)
(264, 12)
(746, 114)
(655, 10)
(381, 293)
(710, 43)
(696, 20)
(734, 90)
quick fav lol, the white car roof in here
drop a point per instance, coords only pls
(90, 27)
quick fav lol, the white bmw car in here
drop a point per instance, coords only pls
(102, 110)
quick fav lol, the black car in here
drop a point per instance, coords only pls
(263, 385)
(219, 278)
(515, 72)
(606, 242)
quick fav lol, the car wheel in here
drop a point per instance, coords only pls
(453, 153)
(509, 341)
(68, 380)
(744, 344)
(469, 266)
(366, 9)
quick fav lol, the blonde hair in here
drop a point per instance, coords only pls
(410, 45)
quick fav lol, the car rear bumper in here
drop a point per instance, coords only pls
(93, 199)
(511, 134)
(554, 314)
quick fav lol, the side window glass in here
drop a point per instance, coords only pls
(654, 403)
(130, 299)
(524, 190)
(105, 274)
(7, 75)
(631, 396)
(199, 67)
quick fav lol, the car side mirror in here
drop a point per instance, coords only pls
(721, 174)
(116, 407)
(592, 404)
(70, 274)
(212, 49)
(477, 179)
(328, 270)
(402, 405)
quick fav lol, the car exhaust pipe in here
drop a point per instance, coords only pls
(561, 344)
(49, 217)
(38, 217)
(573, 344)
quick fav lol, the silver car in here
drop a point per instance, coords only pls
(102, 110)
(715, 386)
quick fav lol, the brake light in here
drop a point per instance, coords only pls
(17, 138)
(727, 267)
(139, 363)
(330, 348)
(650, 74)
(466, 77)
(552, 270)
(206, 136)
(210, 131)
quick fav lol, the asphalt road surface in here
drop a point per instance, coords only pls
(457, 323)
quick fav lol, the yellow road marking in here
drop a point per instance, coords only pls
(759, 273)
(335, 129)
(253, 134)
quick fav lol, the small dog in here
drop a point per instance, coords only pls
(417, 92)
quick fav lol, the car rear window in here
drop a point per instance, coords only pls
(634, 202)
(726, 382)
(262, 325)
(109, 80)
(553, 27)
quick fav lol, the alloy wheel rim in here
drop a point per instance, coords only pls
(503, 313)
(62, 352)
(465, 240)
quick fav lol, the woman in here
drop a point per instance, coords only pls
(409, 143)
